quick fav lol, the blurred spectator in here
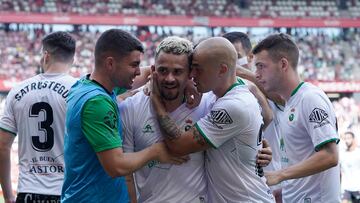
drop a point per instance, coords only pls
(322, 56)
(350, 168)
(223, 8)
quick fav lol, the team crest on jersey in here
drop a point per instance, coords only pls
(188, 124)
(319, 116)
(292, 115)
(110, 119)
(220, 117)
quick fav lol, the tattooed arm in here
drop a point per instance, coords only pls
(181, 143)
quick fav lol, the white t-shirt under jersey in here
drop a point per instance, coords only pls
(157, 182)
(35, 111)
(307, 123)
(233, 127)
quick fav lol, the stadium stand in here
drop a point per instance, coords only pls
(229, 8)
(323, 56)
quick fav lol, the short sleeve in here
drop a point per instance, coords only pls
(100, 123)
(126, 120)
(320, 120)
(223, 122)
(8, 121)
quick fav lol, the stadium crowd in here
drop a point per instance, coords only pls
(323, 56)
(221, 8)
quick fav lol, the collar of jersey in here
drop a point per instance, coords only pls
(296, 89)
(237, 83)
(97, 83)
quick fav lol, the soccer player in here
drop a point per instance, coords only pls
(94, 159)
(308, 125)
(35, 112)
(230, 134)
(242, 46)
(273, 106)
(158, 182)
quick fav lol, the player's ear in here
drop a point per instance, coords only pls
(46, 57)
(284, 63)
(223, 69)
(250, 58)
(109, 62)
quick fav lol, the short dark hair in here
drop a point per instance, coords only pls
(116, 41)
(61, 45)
(241, 37)
(279, 46)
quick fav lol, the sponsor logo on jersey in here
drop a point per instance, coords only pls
(220, 117)
(147, 129)
(319, 116)
(110, 119)
(153, 163)
(45, 165)
(282, 144)
(157, 164)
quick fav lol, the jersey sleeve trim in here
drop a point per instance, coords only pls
(204, 136)
(8, 131)
(105, 148)
(317, 147)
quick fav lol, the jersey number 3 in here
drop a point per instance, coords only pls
(45, 126)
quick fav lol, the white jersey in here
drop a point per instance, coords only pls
(35, 111)
(157, 182)
(273, 136)
(350, 170)
(309, 122)
(233, 128)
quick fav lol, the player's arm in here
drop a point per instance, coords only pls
(131, 188)
(100, 127)
(266, 111)
(248, 75)
(181, 143)
(143, 78)
(324, 137)
(117, 163)
(6, 141)
(325, 158)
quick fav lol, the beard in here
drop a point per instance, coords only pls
(169, 94)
